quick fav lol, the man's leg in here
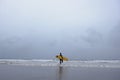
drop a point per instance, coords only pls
(60, 61)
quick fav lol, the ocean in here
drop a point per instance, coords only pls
(14, 69)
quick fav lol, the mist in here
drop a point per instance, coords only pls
(80, 29)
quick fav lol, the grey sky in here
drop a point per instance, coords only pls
(80, 29)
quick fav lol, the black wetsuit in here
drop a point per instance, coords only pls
(61, 60)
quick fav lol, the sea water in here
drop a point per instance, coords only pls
(77, 63)
(12, 69)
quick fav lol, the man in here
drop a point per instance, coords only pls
(61, 60)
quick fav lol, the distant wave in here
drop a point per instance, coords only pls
(77, 63)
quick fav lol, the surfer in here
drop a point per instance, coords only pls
(61, 60)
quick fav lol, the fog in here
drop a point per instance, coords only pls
(80, 29)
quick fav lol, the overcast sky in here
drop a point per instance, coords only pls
(40, 29)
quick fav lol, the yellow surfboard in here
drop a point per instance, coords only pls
(64, 58)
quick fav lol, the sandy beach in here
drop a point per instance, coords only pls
(19, 72)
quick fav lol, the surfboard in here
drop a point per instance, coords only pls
(64, 58)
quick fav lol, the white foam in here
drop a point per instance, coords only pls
(37, 62)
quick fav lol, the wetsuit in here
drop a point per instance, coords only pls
(61, 60)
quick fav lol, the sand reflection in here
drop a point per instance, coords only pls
(60, 73)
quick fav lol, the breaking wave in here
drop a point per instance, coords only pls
(35, 62)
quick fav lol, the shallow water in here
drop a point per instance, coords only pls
(20, 72)
(53, 63)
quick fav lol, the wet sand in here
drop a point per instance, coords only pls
(18, 72)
